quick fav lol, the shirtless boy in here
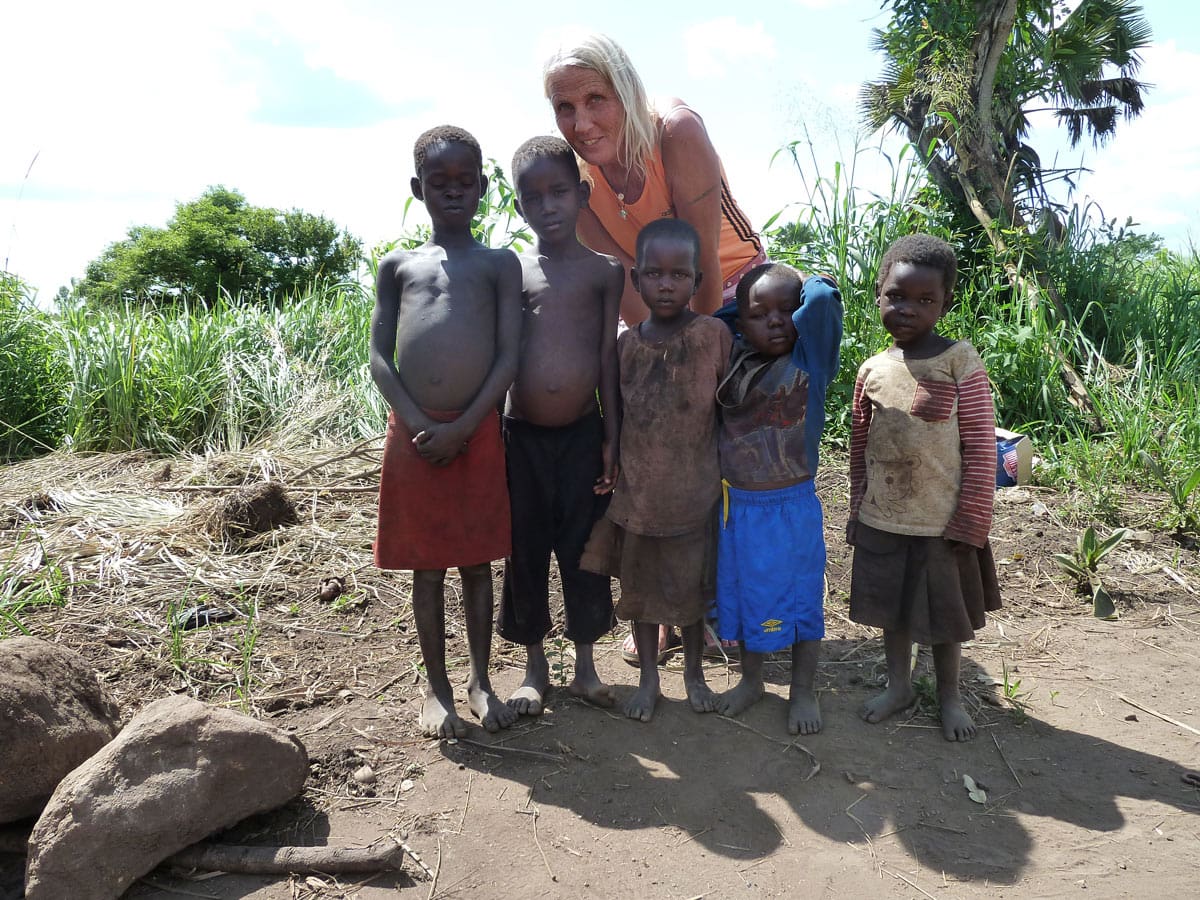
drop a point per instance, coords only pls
(444, 341)
(561, 449)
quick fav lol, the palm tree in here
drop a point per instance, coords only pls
(961, 78)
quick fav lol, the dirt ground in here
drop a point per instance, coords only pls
(1088, 726)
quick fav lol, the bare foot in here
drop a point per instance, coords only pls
(591, 690)
(527, 699)
(804, 713)
(740, 698)
(439, 720)
(891, 701)
(641, 705)
(956, 724)
(492, 713)
(700, 695)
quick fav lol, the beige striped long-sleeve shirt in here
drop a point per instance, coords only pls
(923, 445)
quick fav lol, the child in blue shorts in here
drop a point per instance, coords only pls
(771, 555)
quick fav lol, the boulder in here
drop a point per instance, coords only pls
(53, 715)
(178, 772)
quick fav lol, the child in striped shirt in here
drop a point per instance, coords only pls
(922, 475)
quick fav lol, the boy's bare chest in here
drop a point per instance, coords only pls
(432, 279)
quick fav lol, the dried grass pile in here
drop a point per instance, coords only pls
(121, 551)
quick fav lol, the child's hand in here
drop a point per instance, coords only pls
(962, 548)
(608, 476)
(851, 531)
(440, 443)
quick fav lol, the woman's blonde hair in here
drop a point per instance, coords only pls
(604, 56)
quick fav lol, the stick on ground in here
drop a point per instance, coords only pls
(382, 856)
(1157, 714)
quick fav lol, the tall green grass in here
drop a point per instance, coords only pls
(175, 378)
(31, 374)
(237, 374)
(1132, 325)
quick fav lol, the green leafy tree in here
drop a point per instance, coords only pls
(221, 244)
(961, 80)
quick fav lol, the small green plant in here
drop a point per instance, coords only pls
(347, 601)
(1014, 697)
(558, 656)
(1084, 566)
(27, 580)
(1185, 517)
(925, 688)
(247, 642)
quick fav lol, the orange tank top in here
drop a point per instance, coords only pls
(739, 244)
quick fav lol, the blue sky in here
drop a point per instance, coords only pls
(118, 111)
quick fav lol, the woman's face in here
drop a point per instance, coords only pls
(588, 113)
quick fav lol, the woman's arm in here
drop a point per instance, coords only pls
(693, 173)
(595, 236)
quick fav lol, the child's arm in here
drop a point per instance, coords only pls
(610, 388)
(383, 348)
(593, 233)
(818, 324)
(972, 520)
(860, 424)
(441, 442)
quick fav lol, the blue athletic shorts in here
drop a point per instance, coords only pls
(771, 568)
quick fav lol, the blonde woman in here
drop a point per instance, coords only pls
(646, 163)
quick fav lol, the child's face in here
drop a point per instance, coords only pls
(911, 301)
(450, 185)
(666, 276)
(766, 322)
(550, 197)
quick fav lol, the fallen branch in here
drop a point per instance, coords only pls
(496, 747)
(384, 855)
(358, 449)
(1156, 714)
(1011, 770)
(787, 745)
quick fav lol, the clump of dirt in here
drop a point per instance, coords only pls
(251, 510)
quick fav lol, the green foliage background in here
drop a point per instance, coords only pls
(235, 372)
(219, 245)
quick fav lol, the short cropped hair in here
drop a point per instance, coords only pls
(920, 250)
(544, 146)
(751, 278)
(671, 230)
(604, 56)
(444, 134)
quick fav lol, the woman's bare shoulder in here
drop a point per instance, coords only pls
(677, 117)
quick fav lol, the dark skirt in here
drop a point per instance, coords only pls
(922, 585)
(665, 580)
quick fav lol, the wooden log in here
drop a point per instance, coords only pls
(382, 856)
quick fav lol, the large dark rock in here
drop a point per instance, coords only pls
(178, 772)
(53, 715)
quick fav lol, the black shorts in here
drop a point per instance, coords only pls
(551, 473)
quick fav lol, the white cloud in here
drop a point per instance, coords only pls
(712, 47)
(1150, 171)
